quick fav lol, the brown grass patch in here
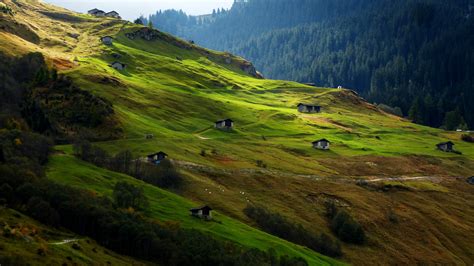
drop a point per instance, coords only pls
(327, 121)
(62, 64)
(385, 166)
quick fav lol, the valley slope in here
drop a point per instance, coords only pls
(176, 91)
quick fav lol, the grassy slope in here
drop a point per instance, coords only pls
(178, 100)
(30, 236)
(166, 206)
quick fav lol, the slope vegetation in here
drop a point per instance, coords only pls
(176, 91)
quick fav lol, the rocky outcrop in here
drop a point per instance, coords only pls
(249, 68)
(145, 34)
(148, 34)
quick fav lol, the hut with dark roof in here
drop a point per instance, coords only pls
(445, 146)
(203, 212)
(226, 124)
(308, 108)
(156, 158)
(321, 144)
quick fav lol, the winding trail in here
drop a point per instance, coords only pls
(256, 171)
(65, 241)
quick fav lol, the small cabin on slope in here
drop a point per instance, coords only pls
(445, 146)
(322, 144)
(308, 108)
(96, 12)
(107, 40)
(118, 65)
(226, 124)
(156, 158)
(113, 14)
(203, 212)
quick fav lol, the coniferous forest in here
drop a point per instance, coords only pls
(416, 55)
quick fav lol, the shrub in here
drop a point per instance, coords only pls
(347, 229)
(5, 9)
(391, 110)
(42, 211)
(261, 164)
(276, 224)
(127, 195)
(467, 138)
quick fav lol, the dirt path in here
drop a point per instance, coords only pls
(429, 178)
(273, 172)
(65, 241)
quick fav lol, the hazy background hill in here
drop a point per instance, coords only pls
(416, 55)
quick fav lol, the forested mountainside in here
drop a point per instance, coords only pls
(416, 55)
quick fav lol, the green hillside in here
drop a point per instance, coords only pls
(176, 91)
(25, 241)
(166, 206)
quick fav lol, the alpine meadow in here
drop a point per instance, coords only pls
(166, 141)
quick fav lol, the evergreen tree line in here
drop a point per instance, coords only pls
(415, 55)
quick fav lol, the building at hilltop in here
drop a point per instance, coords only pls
(203, 212)
(445, 146)
(226, 124)
(308, 108)
(113, 14)
(322, 144)
(96, 12)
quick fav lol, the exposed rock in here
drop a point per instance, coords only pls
(73, 35)
(248, 68)
(144, 33)
(148, 34)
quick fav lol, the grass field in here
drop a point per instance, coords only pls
(168, 207)
(176, 94)
(27, 237)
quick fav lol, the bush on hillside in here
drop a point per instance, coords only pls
(42, 211)
(343, 225)
(391, 110)
(5, 9)
(61, 109)
(468, 138)
(24, 156)
(278, 225)
(127, 195)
